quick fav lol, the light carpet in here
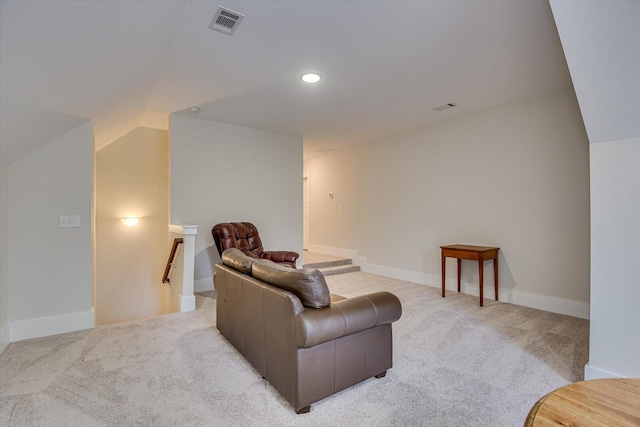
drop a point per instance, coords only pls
(455, 364)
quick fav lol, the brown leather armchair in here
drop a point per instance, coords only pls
(244, 236)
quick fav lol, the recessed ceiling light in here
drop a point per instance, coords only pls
(310, 77)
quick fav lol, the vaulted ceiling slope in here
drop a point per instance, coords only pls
(123, 64)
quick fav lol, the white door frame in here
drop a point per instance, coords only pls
(306, 197)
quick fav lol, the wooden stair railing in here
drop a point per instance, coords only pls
(172, 255)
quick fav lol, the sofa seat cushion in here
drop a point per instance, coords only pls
(308, 284)
(238, 260)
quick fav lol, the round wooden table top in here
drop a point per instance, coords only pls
(605, 402)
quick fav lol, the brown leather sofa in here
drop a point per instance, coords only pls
(306, 342)
(244, 236)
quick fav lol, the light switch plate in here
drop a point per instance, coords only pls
(69, 221)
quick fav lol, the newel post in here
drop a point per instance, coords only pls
(181, 278)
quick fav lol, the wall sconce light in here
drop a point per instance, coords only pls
(130, 222)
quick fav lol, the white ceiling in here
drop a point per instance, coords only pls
(123, 64)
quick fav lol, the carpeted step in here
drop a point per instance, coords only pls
(340, 269)
(333, 263)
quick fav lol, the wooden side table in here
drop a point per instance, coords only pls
(605, 402)
(476, 253)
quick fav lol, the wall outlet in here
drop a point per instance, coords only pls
(69, 221)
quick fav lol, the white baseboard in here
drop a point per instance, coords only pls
(4, 337)
(52, 325)
(187, 303)
(541, 302)
(548, 303)
(591, 373)
(527, 299)
(401, 274)
(202, 285)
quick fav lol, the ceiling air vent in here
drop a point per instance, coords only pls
(444, 107)
(226, 20)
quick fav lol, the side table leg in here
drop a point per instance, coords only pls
(495, 274)
(481, 270)
(444, 268)
(459, 270)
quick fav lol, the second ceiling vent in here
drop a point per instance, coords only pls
(444, 106)
(226, 20)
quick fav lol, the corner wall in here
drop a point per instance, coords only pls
(223, 173)
(516, 177)
(615, 259)
(4, 287)
(50, 279)
(600, 41)
(132, 180)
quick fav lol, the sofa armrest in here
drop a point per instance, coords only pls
(346, 317)
(281, 256)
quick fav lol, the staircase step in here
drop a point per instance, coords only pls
(333, 263)
(340, 269)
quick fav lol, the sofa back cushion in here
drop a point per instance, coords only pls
(308, 284)
(237, 260)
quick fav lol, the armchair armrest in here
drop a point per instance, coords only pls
(281, 256)
(346, 317)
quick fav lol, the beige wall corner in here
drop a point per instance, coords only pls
(132, 180)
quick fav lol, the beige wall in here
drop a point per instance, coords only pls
(516, 177)
(222, 173)
(132, 179)
(49, 280)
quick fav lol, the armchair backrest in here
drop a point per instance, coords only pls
(240, 235)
